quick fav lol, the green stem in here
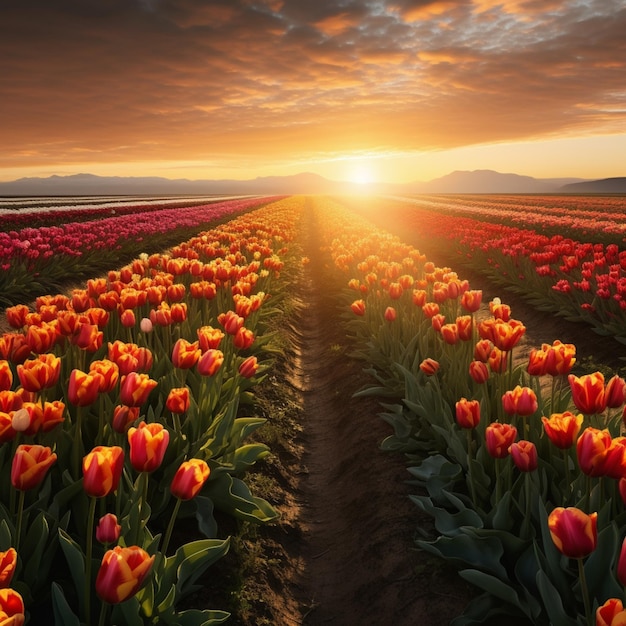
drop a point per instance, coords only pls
(103, 614)
(469, 466)
(78, 439)
(585, 592)
(20, 516)
(90, 525)
(170, 527)
(568, 484)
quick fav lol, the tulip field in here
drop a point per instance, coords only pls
(135, 346)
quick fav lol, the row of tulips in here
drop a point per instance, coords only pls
(122, 417)
(36, 260)
(580, 280)
(520, 463)
(18, 213)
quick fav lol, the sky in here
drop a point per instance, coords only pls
(369, 91)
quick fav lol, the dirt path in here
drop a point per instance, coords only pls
(357, 522)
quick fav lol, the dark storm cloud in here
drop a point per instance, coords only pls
(191, 79)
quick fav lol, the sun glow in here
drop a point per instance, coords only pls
(361, 173)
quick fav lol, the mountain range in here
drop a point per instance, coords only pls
(476, 181)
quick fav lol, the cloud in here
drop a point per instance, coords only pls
(194, 79)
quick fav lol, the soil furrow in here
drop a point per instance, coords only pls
(357, 521)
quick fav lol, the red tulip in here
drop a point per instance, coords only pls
(520, 401)
(209, 338)
(136, 388)
(467, 413)
(123, 417)
(248, 367)
(148, 443)
(591, 450)
(108, 530)
(210, 362)
(189, 479)
(479, 372)
(499, 438)
(122, 572)
(83, 389)
(573, 532)
(524, 455)
(588, 392)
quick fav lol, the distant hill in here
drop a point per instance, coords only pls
(488, 181)
(477, 181)
(606, 185)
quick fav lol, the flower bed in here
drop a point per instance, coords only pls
(121, 412)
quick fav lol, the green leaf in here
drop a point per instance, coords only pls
(193, 559)
(201, 618)
(552, 601)
(494, 586)
(76, 562)
(63, 614)
(204, 515)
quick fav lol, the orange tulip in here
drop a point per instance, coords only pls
(8, 561)
(109, 374)
(41, 339)
(189, 479)
(467, 413)
(30, 466)
(437, 322)
(178, 400)
(185, 354)
(464, 325)
(102, 469)
(519, 401)
(524, 455)
(53, 415)
(11, 608)
(611, 613)
(83, 388)
(573, 532)
(210, 362)
(588, 392)
(471, 300)
(497, 361)
(209, 338)
(450, 333)
(122, 572)
(591, 450)
(499, 438)
(537, 362)
(506, 335)
(136, 388)
(429, 366)
(148, 443)
(562, 428)
(40, 373)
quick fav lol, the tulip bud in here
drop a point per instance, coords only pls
(108, 530)
(11, 607)
(429, 366)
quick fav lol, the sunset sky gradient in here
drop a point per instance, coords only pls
(398, 91)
